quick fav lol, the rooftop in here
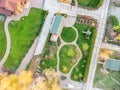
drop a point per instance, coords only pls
(56, 24)
(113, 64)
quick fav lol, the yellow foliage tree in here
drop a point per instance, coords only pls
(25, 81)
(105, 54)
(117, 37)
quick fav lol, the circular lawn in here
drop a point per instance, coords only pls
(68, 34)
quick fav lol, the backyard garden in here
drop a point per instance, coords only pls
(113, 30)
(2, 39)
(23, 34)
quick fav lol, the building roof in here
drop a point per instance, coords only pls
(5, 12)
(56, 24)
(10, 4)
(113, 64)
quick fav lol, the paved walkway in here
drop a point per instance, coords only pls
(77, 85)
(27, 57)
(110, 46)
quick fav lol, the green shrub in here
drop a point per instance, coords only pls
(114, 20)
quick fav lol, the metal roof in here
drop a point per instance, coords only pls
(113, 64)
(56, 24)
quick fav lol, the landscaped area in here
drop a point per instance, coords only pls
(49, 56)
(68, 57)
(68, 34)
(90, 3)
(104, 80)
(23, 34)
(2, 40)
(80, 72)
(73, 58)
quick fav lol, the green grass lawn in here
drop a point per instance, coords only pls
(51, 60)
(80, 72)
(90, 3)
(103, 80)
(2, 40)
(23, 33)
(68, 34)
(67, 58)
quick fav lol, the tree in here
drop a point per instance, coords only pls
(71, 52)
(117, 37)
(25, 81)
(105, 54)
(85, 46)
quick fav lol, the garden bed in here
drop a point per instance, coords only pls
(80, 72)
(68, 57)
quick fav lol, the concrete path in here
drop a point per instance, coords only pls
(110, 46)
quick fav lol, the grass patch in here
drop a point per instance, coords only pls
(49, 58)
(23, 33)
(2, 40)
(68, 34)
(90, 3)
(67, 58)
(80, 72)
(105, 79)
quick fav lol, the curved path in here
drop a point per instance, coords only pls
(8, 44)
(77, 85)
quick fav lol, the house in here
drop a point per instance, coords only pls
(57, 26)
(65, 1)
(9, 7)
(112, 64)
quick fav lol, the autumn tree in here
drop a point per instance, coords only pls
(25, 81)
(105, 54)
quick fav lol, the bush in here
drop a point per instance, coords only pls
(70, 52)
(85, 46)
(114, 20)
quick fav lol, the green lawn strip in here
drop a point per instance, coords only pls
(49, 62)
(23, 33)
(2, 40)
(90, 3)
(68, 34)
(66, 61)
(108, 83)
(81, 70)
